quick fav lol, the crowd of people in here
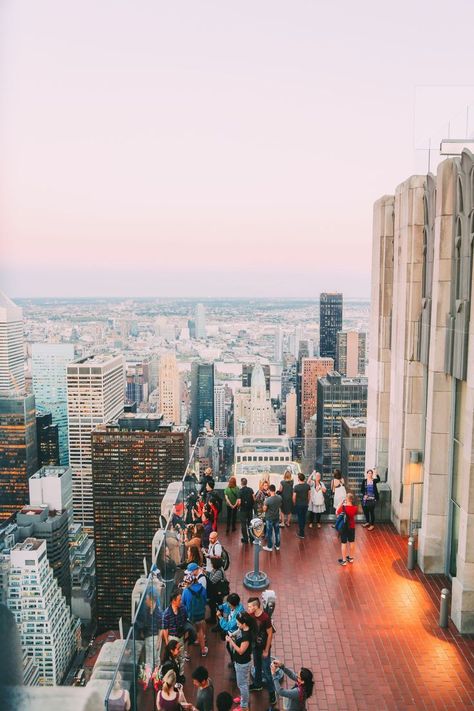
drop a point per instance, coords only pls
(202, 593)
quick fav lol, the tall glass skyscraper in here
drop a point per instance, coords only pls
(330, 322)
(12, 370)
(49, 372)
(202, 396)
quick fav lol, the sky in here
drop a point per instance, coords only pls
(215, 148)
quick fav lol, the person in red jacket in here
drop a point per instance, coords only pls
(348, 531)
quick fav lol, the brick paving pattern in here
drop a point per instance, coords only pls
(369, 631)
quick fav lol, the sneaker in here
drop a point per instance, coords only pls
(282, 525)
(187, 658)
(364, 525)
(204, 652)
(266, 548)
(349, 559)
(236, 700)
(288, 525)
(255, 687)
(371, 528)
(319, 525)
(341, 561)
(310, 525)
(277, 548)
(299, 535)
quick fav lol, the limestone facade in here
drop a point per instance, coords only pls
(421, 367)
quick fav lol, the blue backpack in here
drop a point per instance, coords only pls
(341, 521)
(197, 603)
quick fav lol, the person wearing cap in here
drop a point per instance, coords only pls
(197, 572)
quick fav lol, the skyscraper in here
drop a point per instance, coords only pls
(220, 425)
(311, 370)
(200, 321)
(12, 359)
(169, 389)
(338, 397)
(47, 440)
(278, 345)
(330, 322)
(253, 411)
(134, 461)
(95, 394)
(247, 371)
(350, 353)
(291, 414)
(49, 373)
(202, 396)
(18, 450)
(48, 631)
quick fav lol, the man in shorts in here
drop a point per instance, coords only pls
(348, 530)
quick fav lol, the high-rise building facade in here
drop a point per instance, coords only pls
(351, 353)
(338, 397)
(12, 357)
(253, 411)
(291, 414)
(47, 439)
(421, 367)
(48, 632)
(202, 396)
(288, 375)
(52, 486)
(353, 445)
(169, 389)
(18, 450)
(330, 322)
(50, 525)
(311, 370)
(278, 345)
(220, 423)
(95, 394)
(49, 363)
(200, 321)
(136, 382)
(134, 461)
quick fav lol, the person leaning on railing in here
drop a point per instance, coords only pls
(370, 496)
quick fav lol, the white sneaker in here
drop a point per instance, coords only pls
(277, 548)
(266, 548)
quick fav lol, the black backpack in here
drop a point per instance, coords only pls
(225, 559)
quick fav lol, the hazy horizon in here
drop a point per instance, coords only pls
(151, 147)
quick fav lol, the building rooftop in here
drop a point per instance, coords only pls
(96, 359)
(49, 471)
(354, 422)
(29, 544)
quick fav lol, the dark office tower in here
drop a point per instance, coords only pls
(18, 451)
(52, 526)
(134, 460)
(202, 396)
(338, 397)
(47, 439)
(247, 369)
(330, 322)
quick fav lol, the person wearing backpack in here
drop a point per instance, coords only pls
(194, 601)
(245, 503)
(347, 531)
(217, 588)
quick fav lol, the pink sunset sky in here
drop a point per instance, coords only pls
(198, 148)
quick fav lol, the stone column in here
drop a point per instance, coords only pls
(433, 533)
(378, 402)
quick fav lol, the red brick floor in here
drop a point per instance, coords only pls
(369, 631)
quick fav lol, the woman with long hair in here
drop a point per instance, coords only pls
(171, 660)
(317, 505)
(370, 496)
(170, 697)
(240, 644)
(286, 492)
(301, 691)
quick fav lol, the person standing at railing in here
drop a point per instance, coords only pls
(149, 624)
(286, 492)
(301, 494)
(370, 496)
(245, 503)
(338, 489)
(231, 494)
(175, 618)
(317, 505)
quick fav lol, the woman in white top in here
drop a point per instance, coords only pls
(338, 489)
(317, 505)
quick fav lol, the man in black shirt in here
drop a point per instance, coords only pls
(245, 503)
